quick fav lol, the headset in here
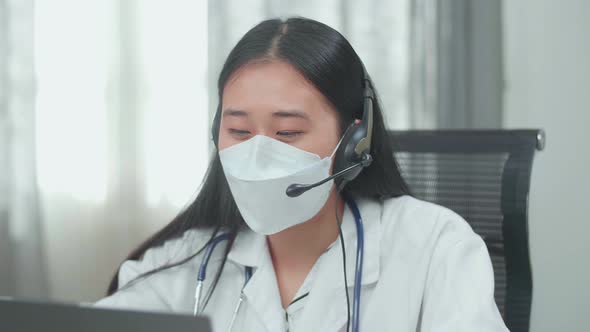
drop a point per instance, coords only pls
(355, 147)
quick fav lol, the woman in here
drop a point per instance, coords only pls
(288, 92)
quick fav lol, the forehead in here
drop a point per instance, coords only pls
(271, 86)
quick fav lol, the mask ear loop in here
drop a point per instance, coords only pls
(336, 148)
(332, 160)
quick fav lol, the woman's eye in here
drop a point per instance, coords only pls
(239, 132)
(289, 134)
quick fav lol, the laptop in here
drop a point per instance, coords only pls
(28, 316)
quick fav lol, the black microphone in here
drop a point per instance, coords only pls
(297, 189)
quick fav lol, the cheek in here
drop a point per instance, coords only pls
(324, 137)
(225, 140)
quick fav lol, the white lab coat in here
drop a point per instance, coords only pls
(424, 270)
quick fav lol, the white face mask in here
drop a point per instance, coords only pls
(259, 171)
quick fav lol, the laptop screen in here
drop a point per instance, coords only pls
(25, 316)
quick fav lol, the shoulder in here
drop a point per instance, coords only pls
(423, 225)
(171, 251)
(446, 265)
(416, 213)
(163, 290)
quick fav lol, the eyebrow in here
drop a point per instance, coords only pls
(277, 114)
(232, 112)
(291, 114)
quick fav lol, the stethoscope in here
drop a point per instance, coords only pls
(203, 272)
(358, 272)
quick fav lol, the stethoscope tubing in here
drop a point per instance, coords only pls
(248, 270)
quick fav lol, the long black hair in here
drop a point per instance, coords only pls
(326, 59)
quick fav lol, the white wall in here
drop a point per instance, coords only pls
(547, 73)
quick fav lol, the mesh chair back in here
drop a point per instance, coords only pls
(483, 175)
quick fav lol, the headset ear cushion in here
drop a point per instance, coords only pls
(345, 155)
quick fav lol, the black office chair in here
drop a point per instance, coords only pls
(483, 175)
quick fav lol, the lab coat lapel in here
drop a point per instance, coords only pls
(262, 292)
(326, 308)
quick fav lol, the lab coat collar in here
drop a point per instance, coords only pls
(262, 292)
(328, 289)
(250, 248)
(370, 212)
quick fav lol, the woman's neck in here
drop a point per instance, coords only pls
(295, 250)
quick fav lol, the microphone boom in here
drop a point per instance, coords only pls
(297, 189)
